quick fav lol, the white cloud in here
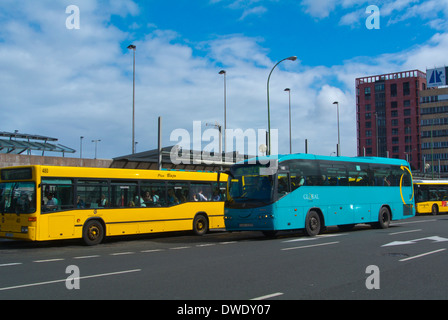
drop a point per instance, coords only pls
(258, 11)
(319, 8)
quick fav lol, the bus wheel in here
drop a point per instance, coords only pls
(384, 218)
(435, 209)
(93, 233)
(200, 225)
(312, 223)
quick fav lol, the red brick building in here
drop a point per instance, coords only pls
(388, 115)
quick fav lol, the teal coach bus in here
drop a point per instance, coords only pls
(310, 192)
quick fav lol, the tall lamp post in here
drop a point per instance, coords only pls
(133, 48)
(96, 146)
(293, 58)
(223, 72)
(338, 153)
(290, 136)
(80, 146)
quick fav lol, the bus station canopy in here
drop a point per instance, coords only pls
(175, 158)
(18, 143)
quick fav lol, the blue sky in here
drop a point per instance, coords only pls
(72, 83)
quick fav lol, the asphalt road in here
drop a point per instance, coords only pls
(409, 262)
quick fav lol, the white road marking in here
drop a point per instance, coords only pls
(411, 222)
(401, 232)
(268, 296)
(422, 255)
(121, 253)
(10, 264)
(64, 280)
(87, 257)
(310, 246)
(49, 260)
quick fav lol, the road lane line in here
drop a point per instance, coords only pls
(422, 255)
(310, 246)
(49, 260)
(64, 280)
(153, 250)
(401, 232)
(122, 253)
(87, 257)
(268, 296)
(411, 222)
(10, 264)
(179, 248)
(322, 236)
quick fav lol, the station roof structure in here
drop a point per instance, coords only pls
(183, 160)
(18, 143)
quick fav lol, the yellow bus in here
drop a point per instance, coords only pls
(40, 203)
(431, 196)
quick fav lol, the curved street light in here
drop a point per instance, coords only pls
(292, 58)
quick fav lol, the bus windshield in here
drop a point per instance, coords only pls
(17, 197)
(251, 184)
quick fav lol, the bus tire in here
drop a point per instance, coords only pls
(435, 209)
(313, 224)
(384, 218)
(93, 232)
(200, 224)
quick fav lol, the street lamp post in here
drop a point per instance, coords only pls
(293, 58)
(133, 48)
(223, 72)
(290, 136)
(96, 146)
(339, 137)
(80, 146)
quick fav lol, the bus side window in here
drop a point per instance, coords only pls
(177, 193)
(92, 194)
(359, 174)
(154, 193)
(283, 184)
(57, 195)
(201, 192)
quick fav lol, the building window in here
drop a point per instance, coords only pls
(393, 90)
(406, 89)
(367, 93)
